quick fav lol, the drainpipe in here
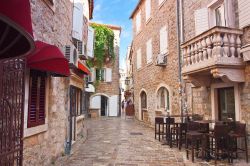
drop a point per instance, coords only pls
(179, 40)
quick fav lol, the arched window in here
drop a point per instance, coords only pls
(143, 100)
(163, 98)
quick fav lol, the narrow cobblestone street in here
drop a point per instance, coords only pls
(119, 142)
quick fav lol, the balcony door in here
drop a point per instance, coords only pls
(226, 103)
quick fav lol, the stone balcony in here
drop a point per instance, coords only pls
(213, 54)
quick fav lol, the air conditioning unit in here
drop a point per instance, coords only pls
(71, 54)
(161, 60)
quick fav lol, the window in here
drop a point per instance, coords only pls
(148, 9)
(76, 101)
(138, 60)
(37, 94)
(221, 13)
(143, 100)
(149, 51)
(220, 16)
(100, 74)
(164, 40)
(138, 22)
(163, 99)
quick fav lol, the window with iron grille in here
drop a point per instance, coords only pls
(37, 98)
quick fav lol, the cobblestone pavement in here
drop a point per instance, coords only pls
(119, 142)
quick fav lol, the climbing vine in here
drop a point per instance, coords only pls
(104, 46)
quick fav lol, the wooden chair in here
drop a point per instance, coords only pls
(178, 135)
(220, 139)
(160, 128)
(194, 139)
(239, 132)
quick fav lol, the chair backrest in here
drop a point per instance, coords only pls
(159, 120)
(193, 126)
(170, 120)
(240, 128)
(196, 117)
(221, 130)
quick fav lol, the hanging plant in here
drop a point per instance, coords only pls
(104, 46)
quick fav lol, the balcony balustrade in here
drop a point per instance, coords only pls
(214, 54)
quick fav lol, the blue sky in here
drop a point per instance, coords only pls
(116, 12)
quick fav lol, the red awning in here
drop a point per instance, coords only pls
(83, 68)
(15, 28)
(48, 58)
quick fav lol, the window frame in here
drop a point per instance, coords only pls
(148, 13)
(165, 91)
(37, 122)
(138, 59)
(138, 22)
(149, 57)
(164, 32)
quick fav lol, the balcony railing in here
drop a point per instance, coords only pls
(219, 46)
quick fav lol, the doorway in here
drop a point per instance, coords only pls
(226, 103)
(104, 106)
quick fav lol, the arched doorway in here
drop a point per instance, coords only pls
(143, 104)
(104, 106)
(100, 102)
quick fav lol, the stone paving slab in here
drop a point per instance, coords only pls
(120, 142)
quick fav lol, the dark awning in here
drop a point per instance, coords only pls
(48, 58)
(83, 68)
(16, 35)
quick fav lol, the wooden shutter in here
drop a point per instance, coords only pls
(78, 20)
(36, 113)
(148, 9)
(163, 40)
(244, 13)
(41, 117)
(201, 20)
(113, 105)
(149, 51)
(90, 44)
(93, 75)
(108, 75)
(138, 59)
(138, 21)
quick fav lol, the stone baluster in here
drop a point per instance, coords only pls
(204, 48)
(238, 45)
(232, 45)
(192, 54)
(226, 46)
(196, 53)
(200, 55)
(188, 56)
(209, 47)
(217, 45)
(184, 57)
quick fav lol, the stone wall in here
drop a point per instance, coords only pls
(51, 24)
(245, 88)
(151, 77)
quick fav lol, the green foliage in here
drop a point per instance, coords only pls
(104, 46)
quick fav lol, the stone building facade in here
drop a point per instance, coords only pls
(215, 58)
(156, 83)
(52, 23)
(106, 98)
